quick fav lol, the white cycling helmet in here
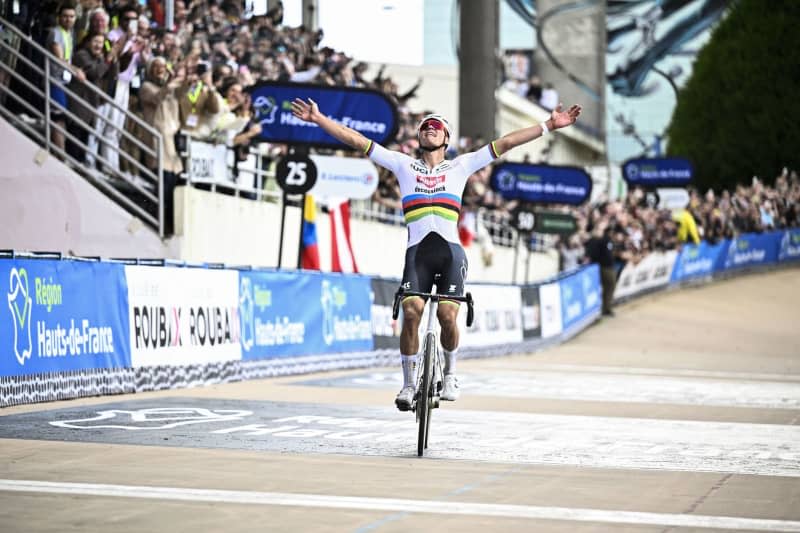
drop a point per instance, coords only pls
(439, 118)
(435, 116)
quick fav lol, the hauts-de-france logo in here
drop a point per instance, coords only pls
(266, 108)
(632, 170)
(246, 313)
(506, 180)
(332, 299)
(20, 304)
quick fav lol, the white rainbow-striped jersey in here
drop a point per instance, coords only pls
(431, 196)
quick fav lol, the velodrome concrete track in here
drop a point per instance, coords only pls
(680, 414)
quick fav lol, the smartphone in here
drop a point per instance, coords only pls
(133, 27)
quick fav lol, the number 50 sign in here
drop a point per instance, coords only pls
(296, 174)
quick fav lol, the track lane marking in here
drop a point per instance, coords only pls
(398, 505)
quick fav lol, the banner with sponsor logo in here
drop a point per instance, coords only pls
(498, 316)
(550, 304)
(658, 172)
(289, 313)
(182, 316)
(654, 271)
(279, 311)
(531, 313)
(207, 162)
(61, 316)
(344, 177)
(697, 261)
(542, 184)
(580, 295)
(790, 245)
(750, 249)
(385, 331)
(368, 112)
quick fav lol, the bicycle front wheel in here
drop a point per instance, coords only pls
(424, 404)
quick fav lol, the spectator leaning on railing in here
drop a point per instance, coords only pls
(100, 69)
(61, 43)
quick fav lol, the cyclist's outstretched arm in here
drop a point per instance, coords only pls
(309, 111)
(558, 119)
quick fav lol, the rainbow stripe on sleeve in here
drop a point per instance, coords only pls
(369, 147)
(417, 206)
(493, 150)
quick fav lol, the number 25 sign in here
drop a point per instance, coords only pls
(296, 174)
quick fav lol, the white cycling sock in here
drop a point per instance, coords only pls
(450, 361)
(409, 363)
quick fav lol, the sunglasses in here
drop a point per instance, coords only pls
(432, 123)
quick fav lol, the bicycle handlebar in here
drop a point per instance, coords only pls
(467, 298)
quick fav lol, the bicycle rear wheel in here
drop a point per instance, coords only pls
(424, 404)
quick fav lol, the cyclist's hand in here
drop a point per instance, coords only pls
(565, 118)
(307, 111)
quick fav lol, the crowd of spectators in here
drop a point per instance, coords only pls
(636, 228)
(193, 77)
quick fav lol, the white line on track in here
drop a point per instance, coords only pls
(400, 505)
(686, 372)
(614, 387)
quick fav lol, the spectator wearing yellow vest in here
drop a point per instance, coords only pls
(199, 102)
(61, 43)
(687, 228)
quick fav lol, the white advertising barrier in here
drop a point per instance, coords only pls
(207, 162)
(672, 198)
(651, 272)
(550, 303)
(344, 177)
(183, 316)
(498, 316)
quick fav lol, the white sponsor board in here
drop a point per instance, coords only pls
(207, 162)
(651, 272)
(182, 316)
(672, 198)
(498, 316)
(344, 177)
(550, 302)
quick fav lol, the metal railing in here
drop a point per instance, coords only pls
(141, 195)
(248, 178)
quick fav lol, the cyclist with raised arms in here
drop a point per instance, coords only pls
(431, 189)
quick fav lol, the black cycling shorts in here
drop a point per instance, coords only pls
(435, 261)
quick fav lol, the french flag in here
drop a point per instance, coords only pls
(342, 258)
(309, 258)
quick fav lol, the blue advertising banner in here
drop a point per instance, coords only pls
(661, 172)
(790, 245)
(580, 295)
(369, 112)
(696, 261)
(750, 249)
(288, 314)
(542, 183)
(62, 316)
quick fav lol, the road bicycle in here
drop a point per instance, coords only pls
(431, 372)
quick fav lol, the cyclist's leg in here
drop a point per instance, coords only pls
(415, 276)
(452, 282)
